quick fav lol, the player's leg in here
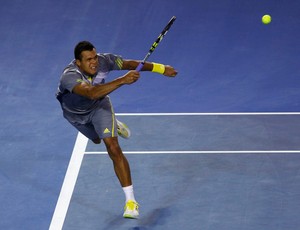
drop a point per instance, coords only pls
(120, 162)
(122, 170)
(89, 131)
(82, 124)
(106, 126)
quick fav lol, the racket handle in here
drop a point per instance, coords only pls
(139, 67)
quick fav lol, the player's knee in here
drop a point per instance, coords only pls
(113, 148)
(96, 141)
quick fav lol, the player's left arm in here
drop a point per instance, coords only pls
(166, 70)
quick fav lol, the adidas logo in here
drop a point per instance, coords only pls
(106, 130)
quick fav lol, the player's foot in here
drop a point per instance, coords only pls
(131, 210)
(123, 130)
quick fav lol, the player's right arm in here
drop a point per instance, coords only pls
(95, 92)
(128, 64)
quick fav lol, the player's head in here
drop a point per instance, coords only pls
(82, 46)
(86, 57)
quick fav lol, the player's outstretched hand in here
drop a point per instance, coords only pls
(170, 71)
(131, 77)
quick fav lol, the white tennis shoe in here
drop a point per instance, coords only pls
(123, 130)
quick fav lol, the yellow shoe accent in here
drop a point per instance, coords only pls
(131, 210)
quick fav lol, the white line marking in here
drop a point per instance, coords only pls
(208, 114)
(201, 152)
(69, 183)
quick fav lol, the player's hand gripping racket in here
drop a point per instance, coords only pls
(155, 44)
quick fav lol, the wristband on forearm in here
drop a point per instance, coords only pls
(158, 68)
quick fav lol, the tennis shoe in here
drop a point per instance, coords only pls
(123, 130)
(131, 210)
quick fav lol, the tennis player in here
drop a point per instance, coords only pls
(83, 95)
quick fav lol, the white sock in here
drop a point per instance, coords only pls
(129, 195)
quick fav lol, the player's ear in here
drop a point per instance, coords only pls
(78, 62)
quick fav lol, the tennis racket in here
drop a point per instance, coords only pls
(155, 44)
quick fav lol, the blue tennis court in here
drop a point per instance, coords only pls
(215, 148)
(227, 171)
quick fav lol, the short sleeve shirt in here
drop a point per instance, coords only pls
(72, 76)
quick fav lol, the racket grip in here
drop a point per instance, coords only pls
(139, 67)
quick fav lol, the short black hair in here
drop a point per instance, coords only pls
(82, 46)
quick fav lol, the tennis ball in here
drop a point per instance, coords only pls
(266, 19)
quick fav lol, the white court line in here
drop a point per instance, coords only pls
(201, 152)
(69, 183)
(208, 114)
(80, 147)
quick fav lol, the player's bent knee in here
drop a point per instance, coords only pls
(113, 148)
(111, 142)
(96, 141)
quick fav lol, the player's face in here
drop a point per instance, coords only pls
(89, 62)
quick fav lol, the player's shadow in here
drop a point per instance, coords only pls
(155, 218)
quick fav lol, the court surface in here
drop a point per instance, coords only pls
(191, 171)
(215, 148)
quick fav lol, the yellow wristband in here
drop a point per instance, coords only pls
(158, 68)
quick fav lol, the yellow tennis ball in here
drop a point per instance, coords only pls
(266, 19)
